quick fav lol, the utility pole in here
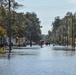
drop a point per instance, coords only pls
(9, 26)
(74, 28)
(67, 28)
(72, 33)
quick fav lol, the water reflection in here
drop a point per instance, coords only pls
(46, 51)
(43, 61)
(70, 53)
(67, 51)
(9, 56)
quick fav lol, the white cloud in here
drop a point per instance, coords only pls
(72, 1)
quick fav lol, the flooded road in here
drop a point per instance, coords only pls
(38, 61)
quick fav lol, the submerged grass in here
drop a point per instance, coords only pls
(1, 49)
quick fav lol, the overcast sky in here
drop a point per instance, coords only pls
(47, 10)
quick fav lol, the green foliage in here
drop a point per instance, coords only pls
(22, 24)
(2, 32)
(62, 28)
(33, 26)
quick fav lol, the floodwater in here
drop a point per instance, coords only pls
(38, 61)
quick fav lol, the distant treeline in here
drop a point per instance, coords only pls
(63, 29)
